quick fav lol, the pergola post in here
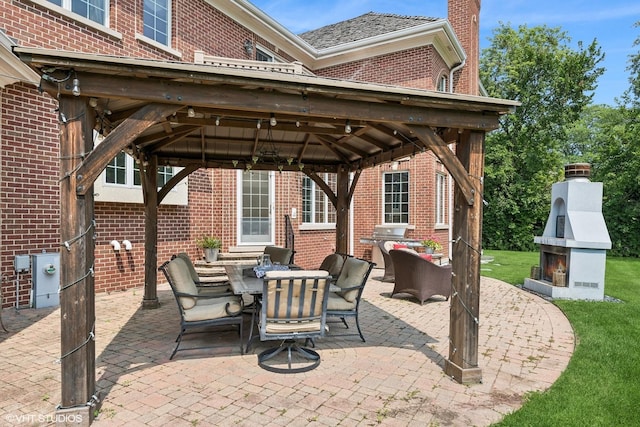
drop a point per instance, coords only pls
(462, 364)
(77, 233)
(342, 210)
(149, 178)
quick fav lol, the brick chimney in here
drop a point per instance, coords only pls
(464, 16)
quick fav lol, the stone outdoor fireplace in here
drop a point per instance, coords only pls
(575, 240)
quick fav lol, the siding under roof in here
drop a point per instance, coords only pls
(362, 27)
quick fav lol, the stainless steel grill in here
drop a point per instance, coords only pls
(383, 234)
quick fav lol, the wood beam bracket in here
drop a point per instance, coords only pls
(122, 136)
(448, 158)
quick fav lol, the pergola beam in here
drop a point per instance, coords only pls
(304, 104)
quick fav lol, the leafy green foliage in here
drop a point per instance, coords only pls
(524, 157)
(607, 137)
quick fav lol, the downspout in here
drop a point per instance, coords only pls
(453, 70)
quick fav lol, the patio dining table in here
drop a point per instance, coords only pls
(242, 284)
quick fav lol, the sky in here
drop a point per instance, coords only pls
(609, 22)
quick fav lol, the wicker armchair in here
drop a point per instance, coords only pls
(389, 273)
(419, 277)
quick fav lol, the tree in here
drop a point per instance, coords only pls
(632, 96)
(524, 157)
(613, 149)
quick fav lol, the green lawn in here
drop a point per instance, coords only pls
(601, 385)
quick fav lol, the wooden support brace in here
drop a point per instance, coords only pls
(433, 142)
(117, 140)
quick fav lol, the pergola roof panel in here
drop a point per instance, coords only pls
(222, 114)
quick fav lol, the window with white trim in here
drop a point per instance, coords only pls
(396, 197)
(123, 170)
(442, 84)
(441, 199)
(120, 182)
(93, 10)
(156, 20)
(316, 207)
(263, 55)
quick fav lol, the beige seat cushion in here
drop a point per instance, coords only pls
(337, 303)
(333, 264)
(292, 327)
(212, 308)
(353, 272)
(278, 254)
(183, 282)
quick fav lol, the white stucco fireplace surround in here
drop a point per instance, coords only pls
(573, 247)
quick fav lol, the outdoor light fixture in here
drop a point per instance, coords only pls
(259, 124)
(191, 112)
(218, 121)
(272, 120)
(347, 127)
(75, 89)
(248, 47)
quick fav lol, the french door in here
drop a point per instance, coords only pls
(256, 225)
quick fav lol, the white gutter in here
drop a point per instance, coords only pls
(453, 70)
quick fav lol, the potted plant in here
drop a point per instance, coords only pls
(211, 247)
(431, 244)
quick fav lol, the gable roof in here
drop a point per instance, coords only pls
(370, 24)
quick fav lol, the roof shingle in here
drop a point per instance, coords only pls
(364, 26)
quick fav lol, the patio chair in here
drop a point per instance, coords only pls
(346, 302)
(279, 255)
(333, 263)
(419, 277)
(293, 307)
(200, 310)
(203, 285)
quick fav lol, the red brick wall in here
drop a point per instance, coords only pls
(29, 202)
(368, 209)
(464, 16)
(29, 189)
(411, 68)
(29, 192)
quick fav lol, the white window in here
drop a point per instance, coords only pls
(157, 20)
(396, 197)
(263, 55)
(442, 84)
(441, 199)
(316, 207)
(93, 10)
(120, 182)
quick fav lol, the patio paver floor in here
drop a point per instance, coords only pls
(396, 378)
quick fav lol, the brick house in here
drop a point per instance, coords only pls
(417, 52)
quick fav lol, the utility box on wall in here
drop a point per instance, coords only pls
(46, 279)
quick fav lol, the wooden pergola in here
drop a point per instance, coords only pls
(202, 116)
